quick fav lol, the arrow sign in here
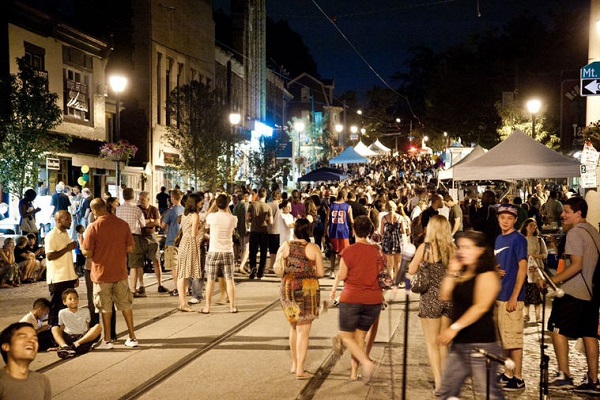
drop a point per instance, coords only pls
(589, 87)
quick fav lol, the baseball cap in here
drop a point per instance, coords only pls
(508, 208)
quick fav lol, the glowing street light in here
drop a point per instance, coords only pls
(117, 84)
(533, 106)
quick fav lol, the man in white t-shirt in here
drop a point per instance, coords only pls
(220, 251)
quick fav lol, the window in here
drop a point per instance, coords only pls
(168, 90)
(35, 57)
(158, 89)
(76, 94)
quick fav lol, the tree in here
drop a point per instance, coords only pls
(201, 134)
(516, 118)
(263, 163)
(28, 113)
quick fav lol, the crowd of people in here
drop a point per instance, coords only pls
(482, 257)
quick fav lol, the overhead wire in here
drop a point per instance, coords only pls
(365, 61)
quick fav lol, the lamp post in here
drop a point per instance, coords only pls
(533, 106)
(234, 120)
(339, 128)
(298, 127)
(117, 84)
(353, 131)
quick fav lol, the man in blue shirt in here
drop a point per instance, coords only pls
(171, 224)
(511, 254)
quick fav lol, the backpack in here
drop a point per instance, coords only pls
(595, 289)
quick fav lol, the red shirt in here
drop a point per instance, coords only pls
(361, 285)
(108, 238)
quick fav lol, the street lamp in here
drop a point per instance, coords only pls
(234, 119)
(117, 84)
(298, 127)
(339, 128)
(533, 106)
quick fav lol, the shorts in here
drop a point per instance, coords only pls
(107, 294)
(358, 316)
(510, 325)
(339, 244)
(171, 256)
(146, 248)
(273, 243)
(573, 318)
(216, 261)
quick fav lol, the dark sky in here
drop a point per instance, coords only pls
(383, 31)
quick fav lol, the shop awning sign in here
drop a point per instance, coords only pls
(53, 163)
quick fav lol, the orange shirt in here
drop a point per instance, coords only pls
(108, 238)
(361, 285)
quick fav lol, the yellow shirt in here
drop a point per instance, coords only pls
(61, 269)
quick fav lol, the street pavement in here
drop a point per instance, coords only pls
(246, 355)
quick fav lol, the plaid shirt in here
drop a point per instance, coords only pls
(131, 213)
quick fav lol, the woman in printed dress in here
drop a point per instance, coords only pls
(300, 292)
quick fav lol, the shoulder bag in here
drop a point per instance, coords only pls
(280, 262)
(420, 281)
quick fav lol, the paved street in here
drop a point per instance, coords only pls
(245, 355)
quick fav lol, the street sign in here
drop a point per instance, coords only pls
(590, 79)
(53, 163)
(588, 177)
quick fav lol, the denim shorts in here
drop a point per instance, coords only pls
(358, 316)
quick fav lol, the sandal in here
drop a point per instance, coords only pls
(234, 310)
(203, 311)
(185, 309)
(304, 377)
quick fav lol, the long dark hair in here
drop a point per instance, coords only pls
(302, 229)
(487, 261)
(191, 203)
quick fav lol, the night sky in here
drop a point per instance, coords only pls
(383, 31)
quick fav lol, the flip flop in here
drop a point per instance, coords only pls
(234, 311)
(304, 377)
(204, 312)
(186, 309)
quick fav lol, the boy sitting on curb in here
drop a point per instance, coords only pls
(35, 317)
(73, 335)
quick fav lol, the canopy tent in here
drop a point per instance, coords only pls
(517, 157)
(364, 151)
(348, 156)
(324, 174)
(379, 147)
(477, 152)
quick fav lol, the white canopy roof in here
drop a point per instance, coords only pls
(477, 152)
(517, 157)
(364, 151)
(379, 147)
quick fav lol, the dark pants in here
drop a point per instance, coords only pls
(258, 240)
(56, 304)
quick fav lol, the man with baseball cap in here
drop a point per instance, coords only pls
(511, 254)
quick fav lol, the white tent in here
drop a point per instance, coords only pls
(477, 152)
(517, 157)
(379, 147)
(364, 151)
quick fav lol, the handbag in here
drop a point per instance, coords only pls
(178, 238)
(280, 262)
(420, 281)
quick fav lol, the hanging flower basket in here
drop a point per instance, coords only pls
(120, 151)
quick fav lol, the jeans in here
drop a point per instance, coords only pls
(463, 361)
(258, 240)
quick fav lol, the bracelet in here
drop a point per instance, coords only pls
(455, 327)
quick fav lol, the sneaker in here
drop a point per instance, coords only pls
(139, 295)
(588, 387)
(332, 275)
(162, 289)
(502, 379)
(561, 381)
(514, 384)
(104, 345)
(66, 352)
(193, 300)
(174, 292)
(131, 343)
(141, 290)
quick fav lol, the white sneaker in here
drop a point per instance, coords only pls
(193, 300)
(104, 345)
(131, 343)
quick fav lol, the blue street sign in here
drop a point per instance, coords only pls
(590, 79)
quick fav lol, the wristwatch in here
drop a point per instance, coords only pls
(455, 327)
